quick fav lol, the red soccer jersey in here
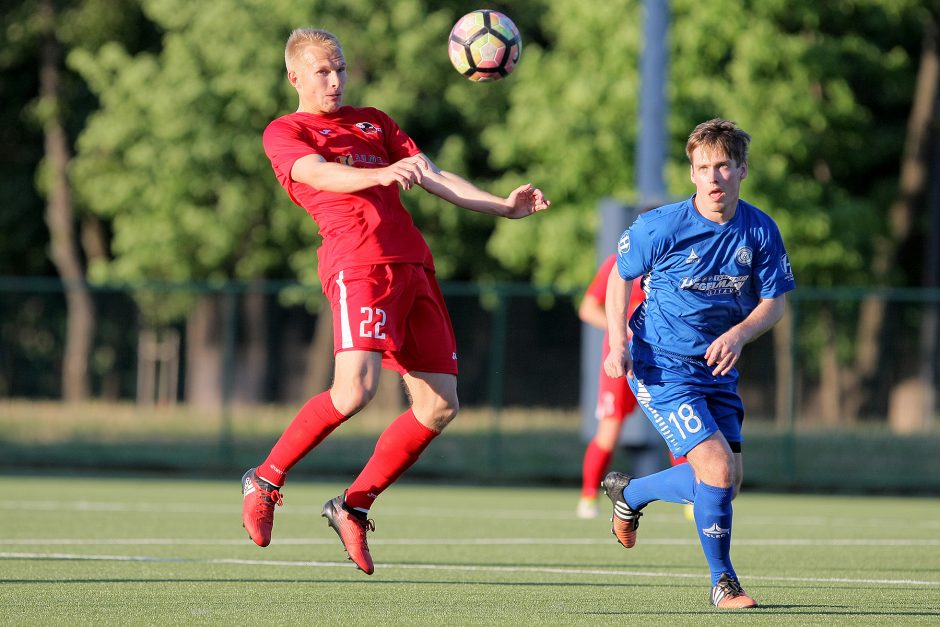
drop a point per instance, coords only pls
(367, 227)
(598, 286)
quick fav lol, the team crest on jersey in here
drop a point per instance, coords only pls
(368, 128)
(744, 256)
(623, 246)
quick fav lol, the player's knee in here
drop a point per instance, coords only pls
(351, 398)
(440, 413)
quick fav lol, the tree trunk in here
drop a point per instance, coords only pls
(319, 374)
(64, 249)
(203, 353)
(251, 366)
(902, 216)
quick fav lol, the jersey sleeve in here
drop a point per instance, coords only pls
(398, 143)
(634, 250)
(285, 143)
(772, 269)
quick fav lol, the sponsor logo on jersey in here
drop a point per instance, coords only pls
(324, 131)
(715, 531)
(744, 256)
(692, 258)
(368, 128)
(356, 158)
(785, 266)
(623, 246)
(715, 284)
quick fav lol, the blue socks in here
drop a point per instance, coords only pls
(713, 521)
(712, 510)
(675, 484)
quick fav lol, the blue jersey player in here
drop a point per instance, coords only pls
(715, 275)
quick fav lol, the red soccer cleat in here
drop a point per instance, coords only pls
(351, 527)
(259, 500)
(729, 595)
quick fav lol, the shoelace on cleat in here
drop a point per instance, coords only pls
(268, 496)
(730, 588)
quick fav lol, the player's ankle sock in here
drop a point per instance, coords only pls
(397, 449)
(595, 463)
(315, 420)
(675, 484)
(713, 520)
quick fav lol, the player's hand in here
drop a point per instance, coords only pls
(618, 363)
(407, 172)
(724, 352)
(526, 200)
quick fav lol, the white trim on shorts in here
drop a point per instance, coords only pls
(344, 329)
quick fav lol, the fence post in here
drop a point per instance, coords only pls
(497, 373)
(229, 329)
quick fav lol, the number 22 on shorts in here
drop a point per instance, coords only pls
(372, 323)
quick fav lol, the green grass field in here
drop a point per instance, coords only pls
(92, 551)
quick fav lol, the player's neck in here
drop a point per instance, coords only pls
(719, 213)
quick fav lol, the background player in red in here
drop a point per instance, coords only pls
(615, 401)
(345, 166)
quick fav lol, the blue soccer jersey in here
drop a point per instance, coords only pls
(702, 277)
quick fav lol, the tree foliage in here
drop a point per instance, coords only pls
(173, 159)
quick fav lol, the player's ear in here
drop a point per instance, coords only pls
(292, 77)
(743, 167)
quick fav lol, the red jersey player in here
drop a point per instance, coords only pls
(615, 401)
(344, 165)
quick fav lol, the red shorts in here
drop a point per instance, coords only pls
(395, 309)
(614, 397)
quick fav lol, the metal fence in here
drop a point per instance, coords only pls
(851, 372)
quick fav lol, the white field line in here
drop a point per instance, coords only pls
(927, 522)
(453, 567)
(782, 542)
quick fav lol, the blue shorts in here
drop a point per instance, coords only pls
(684, 401)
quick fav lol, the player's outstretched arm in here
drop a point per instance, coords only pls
(618, 362)
(521, 202)
(321, 174)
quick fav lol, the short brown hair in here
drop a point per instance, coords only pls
(301, 38)
(721, 134)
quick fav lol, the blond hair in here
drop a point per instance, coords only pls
(301, 38)
(719, 134)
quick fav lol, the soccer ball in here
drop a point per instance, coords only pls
(484, 45)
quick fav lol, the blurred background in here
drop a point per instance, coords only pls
(159, 303)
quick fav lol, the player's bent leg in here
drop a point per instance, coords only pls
(351, 527)
(433, 398)
(597, 456)
(625, 520)
(355, 380)
(259, 499)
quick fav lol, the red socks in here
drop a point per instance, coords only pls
(595, 464)
(397, 449)
(315, 420)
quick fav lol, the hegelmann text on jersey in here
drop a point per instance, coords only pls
(716, 284)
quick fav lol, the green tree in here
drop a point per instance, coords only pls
(36, 35)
